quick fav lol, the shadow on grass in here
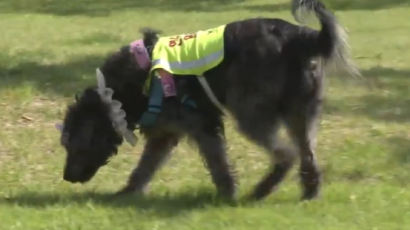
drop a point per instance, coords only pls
(163, 206)
(335, 5)
(364, 4)
(401, 149)
(106, 7)
(62, 79)
(268, 7)
(387, 97)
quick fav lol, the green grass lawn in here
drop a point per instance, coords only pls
(49, 50)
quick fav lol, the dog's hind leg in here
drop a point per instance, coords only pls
(302, 127)
(264, 134)
(284, 158)
(155, 152)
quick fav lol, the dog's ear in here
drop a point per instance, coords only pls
(150, 36)
(150, 32)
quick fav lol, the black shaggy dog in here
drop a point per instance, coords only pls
(272, 73)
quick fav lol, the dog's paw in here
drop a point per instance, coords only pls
(310, 195)
(127, 190)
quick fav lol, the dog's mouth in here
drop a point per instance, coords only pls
(76, 174)
(72, 180)
(78, 179)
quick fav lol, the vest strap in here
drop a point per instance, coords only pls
(204, 83)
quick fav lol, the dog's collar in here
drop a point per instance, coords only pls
(141, 54)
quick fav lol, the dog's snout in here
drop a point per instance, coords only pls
(68, 178)
(72, 173)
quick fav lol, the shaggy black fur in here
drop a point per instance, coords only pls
(272, 73)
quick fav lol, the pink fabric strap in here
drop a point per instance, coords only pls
(168, 84)
(141, 55)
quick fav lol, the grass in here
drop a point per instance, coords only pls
(49, 50)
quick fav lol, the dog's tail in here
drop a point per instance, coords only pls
(332, 40)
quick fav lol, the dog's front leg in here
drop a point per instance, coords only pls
(155, 152)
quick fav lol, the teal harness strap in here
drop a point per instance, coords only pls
(149, 117)
(156, 96)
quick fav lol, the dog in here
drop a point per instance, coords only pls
(271, 74)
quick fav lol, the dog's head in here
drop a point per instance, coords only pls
(88, 134)
(88, 137)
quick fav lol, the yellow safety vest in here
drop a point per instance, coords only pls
(188, 54)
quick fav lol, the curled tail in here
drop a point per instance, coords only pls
(332, 39)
